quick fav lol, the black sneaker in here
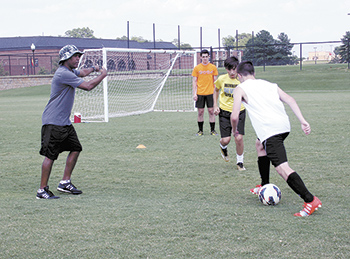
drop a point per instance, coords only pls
(240, 166)
(224, 154)
(68, 188)
(213, 133)
(46, 194)
(199, 133)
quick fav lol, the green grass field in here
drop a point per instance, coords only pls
(177, 198)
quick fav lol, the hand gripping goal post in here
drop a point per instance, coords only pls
(138, 81)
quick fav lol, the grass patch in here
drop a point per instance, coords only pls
(177, 198)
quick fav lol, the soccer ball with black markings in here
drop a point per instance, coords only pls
(270, 194)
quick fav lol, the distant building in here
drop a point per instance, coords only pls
(17, 57)
(320, 55)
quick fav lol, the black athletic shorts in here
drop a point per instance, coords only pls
(225, 123)
(275, 149)
(205, 99)
(56, 139)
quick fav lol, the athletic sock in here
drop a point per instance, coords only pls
(296, 183)
(64, 181)
(240, 158)
(200, 125)
(264, 169)
(212, 126)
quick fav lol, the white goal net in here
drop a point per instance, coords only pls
(138, 81)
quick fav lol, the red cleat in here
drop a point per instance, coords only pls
(309, 208)
(256, 190)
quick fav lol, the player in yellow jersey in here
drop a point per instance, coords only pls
(224, 87)
(204, 76)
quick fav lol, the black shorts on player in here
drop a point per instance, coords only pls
(225, 123)
(56, 139)
(205, 99)
(275, 149)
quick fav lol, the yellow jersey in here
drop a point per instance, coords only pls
(226, 85)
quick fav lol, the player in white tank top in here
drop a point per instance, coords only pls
(264, 103)
(266, 111)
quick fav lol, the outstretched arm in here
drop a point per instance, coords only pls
(286, 98)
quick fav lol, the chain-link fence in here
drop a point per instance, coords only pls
(28, 64)
(296, 54)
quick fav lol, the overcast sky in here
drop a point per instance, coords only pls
(301, 20)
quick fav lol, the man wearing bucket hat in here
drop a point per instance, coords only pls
(58, 133)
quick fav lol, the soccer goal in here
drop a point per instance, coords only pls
(138, 81)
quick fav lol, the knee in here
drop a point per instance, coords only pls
(225, 141)
(260, 148)
(239, 139)
(211, 111)
(258, 145)
(200, 112)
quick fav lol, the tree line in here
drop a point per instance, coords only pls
(262, 48)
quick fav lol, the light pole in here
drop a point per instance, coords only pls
(315, 54)
(33, 49)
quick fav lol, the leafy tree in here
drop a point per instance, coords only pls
(260, 49)
(283, 54)
(343, 50)
(243, 38)
(139, 39)
(264, 49)
(183, 46)
(186, 46)
(122, 38)
(337, 56)
(229, 42)
(80, 33)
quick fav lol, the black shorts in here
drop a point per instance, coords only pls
(275, 149)
(225, 123)
(56, 139)
(205, 99)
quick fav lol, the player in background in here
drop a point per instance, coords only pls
(204, 75)
(264, 103)
(58, 133)
(224, 87)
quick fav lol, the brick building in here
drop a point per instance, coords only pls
(17, 57)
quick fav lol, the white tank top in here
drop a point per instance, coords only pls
(265, 109)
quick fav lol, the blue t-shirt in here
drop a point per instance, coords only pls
(59, 107)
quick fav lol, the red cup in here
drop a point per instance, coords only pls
(77, 118)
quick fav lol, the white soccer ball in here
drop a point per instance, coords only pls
(270, 194)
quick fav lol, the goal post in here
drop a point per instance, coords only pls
(105, 88)
(138, 81)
